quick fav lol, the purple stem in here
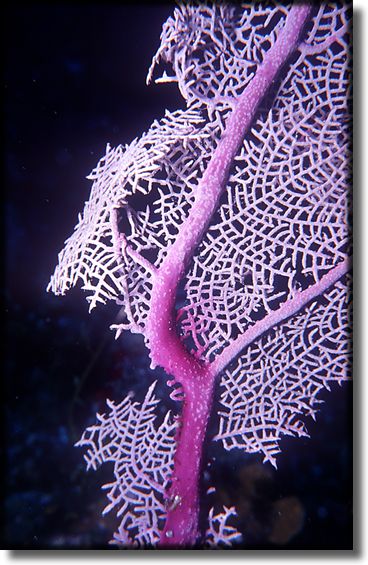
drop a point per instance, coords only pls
(166, 349)
(181, 527)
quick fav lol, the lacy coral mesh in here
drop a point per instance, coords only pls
(163, 166)
(275, 383)
(283, 220)
(215, 50)
(282, 224)
(142, 453)
(220, 534)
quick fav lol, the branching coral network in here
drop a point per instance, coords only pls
(247, 207)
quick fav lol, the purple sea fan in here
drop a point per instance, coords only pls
(245, 203)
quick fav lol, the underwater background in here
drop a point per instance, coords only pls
(74, 80)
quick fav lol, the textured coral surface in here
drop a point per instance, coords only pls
(252, 285)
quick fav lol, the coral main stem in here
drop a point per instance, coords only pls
(160, 323)
(165, 347)
(181, 527)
